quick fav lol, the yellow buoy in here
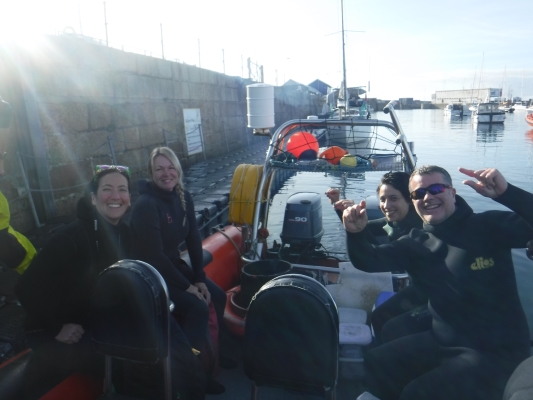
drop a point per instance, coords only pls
(348, 161)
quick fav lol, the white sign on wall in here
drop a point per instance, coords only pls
(193, 130)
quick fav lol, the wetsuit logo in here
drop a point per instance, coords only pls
(482, 263)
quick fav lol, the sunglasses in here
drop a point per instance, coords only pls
(119, 168)
(436, 188)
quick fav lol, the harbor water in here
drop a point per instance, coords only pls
(449, 142)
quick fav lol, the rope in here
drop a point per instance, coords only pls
(230, 239)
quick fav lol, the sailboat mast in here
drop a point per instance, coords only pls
(344, 58)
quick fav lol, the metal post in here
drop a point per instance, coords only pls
(112, 150)
(79, 18)
(165, 136)
(30, 198)
(202, 140)
(199, 61)
(162, 47)
(105, 20)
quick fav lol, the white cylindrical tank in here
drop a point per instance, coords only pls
(260, 105)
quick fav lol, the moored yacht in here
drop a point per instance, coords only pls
(488, 113)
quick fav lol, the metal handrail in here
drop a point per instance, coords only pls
(286, 128)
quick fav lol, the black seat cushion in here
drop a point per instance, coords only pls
(291, 335)
(129, 313)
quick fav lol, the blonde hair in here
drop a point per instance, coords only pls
(173, 158)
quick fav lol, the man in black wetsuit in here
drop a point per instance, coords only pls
(479, 331)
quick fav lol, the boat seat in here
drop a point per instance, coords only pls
(207, 256)
(130, 319)
(520, 384)
(292, 318)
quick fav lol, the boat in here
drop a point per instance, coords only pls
(529, 115)
(488, 113)
(456, 110)
(506, 108)
(233, 248)
(346, 104)
(520, 105)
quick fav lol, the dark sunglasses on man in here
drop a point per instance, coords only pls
(436, 188)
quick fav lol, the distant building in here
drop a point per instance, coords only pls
(322, 87)
(465, 95)
(405, 101)
(302, 87)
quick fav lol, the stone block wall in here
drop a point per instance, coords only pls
(79, 104)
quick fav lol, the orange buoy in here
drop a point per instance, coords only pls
(303, 145)
(333, 154)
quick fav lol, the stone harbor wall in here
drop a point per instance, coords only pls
(78, 104)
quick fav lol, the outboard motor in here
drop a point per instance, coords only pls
(302, 224)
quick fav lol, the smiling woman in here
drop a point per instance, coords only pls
(55, 289)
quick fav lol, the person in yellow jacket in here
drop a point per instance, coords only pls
(16, 251)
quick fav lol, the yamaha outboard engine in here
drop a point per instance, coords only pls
(302, 224)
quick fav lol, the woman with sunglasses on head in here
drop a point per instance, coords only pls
(406, 311)
(55, 289)
(163, 217)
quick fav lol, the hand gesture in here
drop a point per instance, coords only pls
(343, 204)
(333, 195)
(70, 333)
(355, 218)
(490, 182)
(202, 288)
(195, 292)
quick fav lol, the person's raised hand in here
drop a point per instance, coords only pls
(342, 205)
(490, 182)
(333, 194)
(70, 333)
(355, 217)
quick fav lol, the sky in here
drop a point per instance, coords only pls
(408, 48)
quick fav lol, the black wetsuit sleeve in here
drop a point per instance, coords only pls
(145, 221)
(515, 229)
(194, 243)
(39, 289)
(369, 257)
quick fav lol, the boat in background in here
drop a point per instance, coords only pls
(520, 105)
(456, 110)
(488, 113)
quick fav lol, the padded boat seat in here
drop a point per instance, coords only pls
(130, 318)
(292, 318)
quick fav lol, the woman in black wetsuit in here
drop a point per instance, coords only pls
(163, 217)
(406, 312)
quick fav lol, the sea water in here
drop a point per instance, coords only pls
(449, 142)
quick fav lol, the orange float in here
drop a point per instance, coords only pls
(333, 154)
(303, 145)
(529, 118)
(225, 268)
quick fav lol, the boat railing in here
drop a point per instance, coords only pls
(392, 160)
